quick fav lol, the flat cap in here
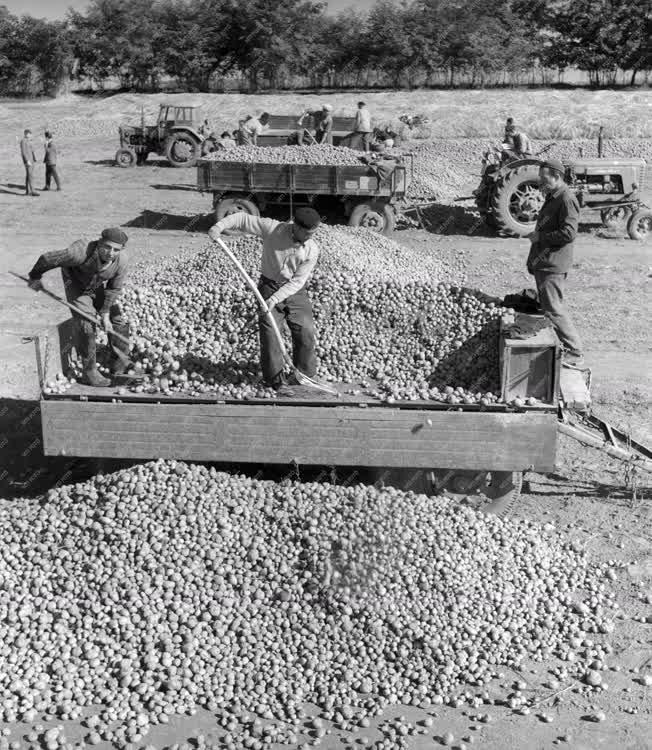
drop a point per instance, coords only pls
(307, 217)
(554, 164)
(115, 235)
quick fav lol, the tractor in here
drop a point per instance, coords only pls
(179, 135)
(509, 198)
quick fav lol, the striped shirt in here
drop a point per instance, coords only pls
(285, 261)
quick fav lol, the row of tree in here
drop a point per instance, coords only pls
(476, 42)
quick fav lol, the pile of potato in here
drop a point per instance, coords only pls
(322, 154)
(168, 587)
(388, 321)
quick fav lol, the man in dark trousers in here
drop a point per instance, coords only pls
(551, 256)
(50, 161)
(93, 274)
(29, 159)
(289, 257)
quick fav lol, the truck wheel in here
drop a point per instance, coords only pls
(234, 205)
(376, 216)
(125, 157)
(182, 150)
(517, 200)
(503, 490)
(639, 227)
(615, 216)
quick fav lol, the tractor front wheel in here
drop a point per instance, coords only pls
(125, 157)
(639, 226)
(517, 200)
(182, 150)
(375, 216)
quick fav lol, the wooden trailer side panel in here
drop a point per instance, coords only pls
(344, 436)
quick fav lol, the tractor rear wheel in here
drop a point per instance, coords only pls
(639, 226)
(235, 204)
(517, 200)
(375, 215)
(125, 157)
(182, 150)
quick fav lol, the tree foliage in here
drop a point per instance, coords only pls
(401, 42)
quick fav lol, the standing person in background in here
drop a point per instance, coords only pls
(29, 159)
(508, 137)
(251, 128)
(50, 161)
(362, 128)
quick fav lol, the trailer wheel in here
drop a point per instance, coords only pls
(376, 216)
(503, 491)
(639, 226)
(125, 157)
(234, 204)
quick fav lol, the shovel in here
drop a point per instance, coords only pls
(302, 379)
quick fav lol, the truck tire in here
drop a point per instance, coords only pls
(182, 150)
(125, 157)
(517, 200)
(639, 226)
(233, 204)
(615, 216)
(375, 216)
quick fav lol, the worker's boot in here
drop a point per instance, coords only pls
(87, 352)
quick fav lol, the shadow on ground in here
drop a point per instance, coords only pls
(171, 222)
(10, 188)
(445, 219)
(188, 188)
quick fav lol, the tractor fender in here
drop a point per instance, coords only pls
(188, 131)
(514, 165)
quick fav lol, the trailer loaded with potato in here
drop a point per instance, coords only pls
(366, 192)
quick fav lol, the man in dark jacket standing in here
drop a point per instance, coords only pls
(29, 159)
(93, 274)
(50, 161)
(551, 255)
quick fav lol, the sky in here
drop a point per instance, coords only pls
(57, 8)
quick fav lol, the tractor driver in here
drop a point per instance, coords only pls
(289, 257)
(93, 274)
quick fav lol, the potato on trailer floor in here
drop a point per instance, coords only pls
(421, 445)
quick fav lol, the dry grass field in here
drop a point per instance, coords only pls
(587, 497)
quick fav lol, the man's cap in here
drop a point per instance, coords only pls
(327, 107)
(307, 217)
(554, 164)
(115, 236)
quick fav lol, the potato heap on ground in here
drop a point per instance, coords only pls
(322, 154)
(167, 586)
(383, 313)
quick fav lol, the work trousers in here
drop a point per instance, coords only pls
(551, 298)
(29, 179)
(296, 310)
(51, 172)
(84, 331)
(361, 141)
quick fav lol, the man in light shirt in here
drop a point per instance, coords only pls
(253, 127)
(289, 258)
(362, 127)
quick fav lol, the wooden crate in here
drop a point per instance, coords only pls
(529, 367)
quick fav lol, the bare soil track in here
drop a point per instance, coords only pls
(588, 496)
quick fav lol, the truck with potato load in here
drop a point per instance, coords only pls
(366, 192)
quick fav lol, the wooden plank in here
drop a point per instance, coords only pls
(345, 436)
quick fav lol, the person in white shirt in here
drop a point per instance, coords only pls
(251, 128)
(289, 258)
(362, 128)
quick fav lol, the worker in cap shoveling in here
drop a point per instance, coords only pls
(289, 257)
(322, 122)
(93, 274)
(551, 256)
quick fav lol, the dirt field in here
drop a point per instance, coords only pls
(587, 497)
